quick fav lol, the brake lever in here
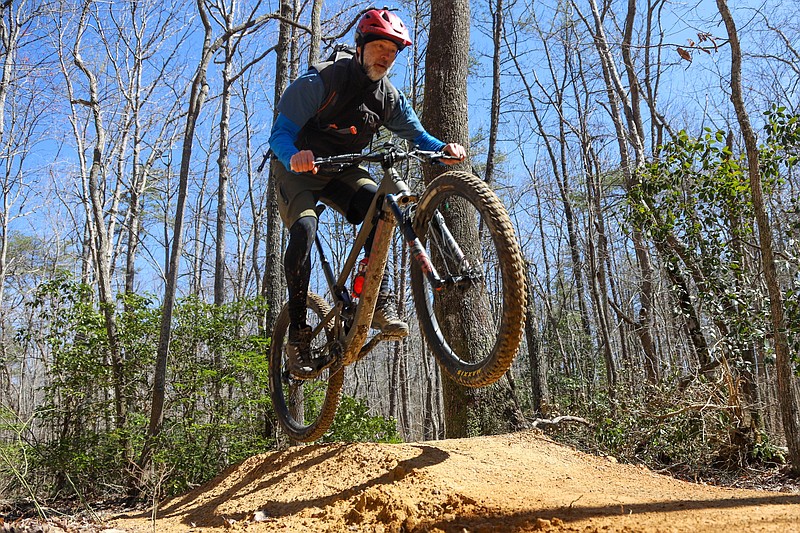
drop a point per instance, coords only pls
(439, 157)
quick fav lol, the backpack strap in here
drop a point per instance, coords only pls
(393, 97)
(340, 51)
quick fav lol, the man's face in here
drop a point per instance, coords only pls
(379, 57)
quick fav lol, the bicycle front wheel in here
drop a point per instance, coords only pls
(305, 408)
(473, 321)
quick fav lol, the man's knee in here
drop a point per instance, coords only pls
(301, 237)
(359, 204)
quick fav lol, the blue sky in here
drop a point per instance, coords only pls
(693, 95)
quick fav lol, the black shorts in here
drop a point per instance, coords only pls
(298, 194)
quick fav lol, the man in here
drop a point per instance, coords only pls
(336, 108)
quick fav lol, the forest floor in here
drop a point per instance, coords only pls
(517, 482)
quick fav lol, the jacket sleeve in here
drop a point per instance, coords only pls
(298, 104)
(405, 123)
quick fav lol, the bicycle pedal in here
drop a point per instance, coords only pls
(319, 366)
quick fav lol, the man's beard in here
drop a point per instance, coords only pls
(374, 73)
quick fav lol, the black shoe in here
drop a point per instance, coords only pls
(386, 320)
(300, 361)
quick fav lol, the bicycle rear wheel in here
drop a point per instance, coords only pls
(474, 322)
(305, 408)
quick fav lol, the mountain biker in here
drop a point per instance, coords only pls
(337, 108)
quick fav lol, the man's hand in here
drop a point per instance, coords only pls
(454, 150)
(303, 161)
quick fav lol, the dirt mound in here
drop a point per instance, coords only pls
(519, 482)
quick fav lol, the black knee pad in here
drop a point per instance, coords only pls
(359, 204)
(301, 238)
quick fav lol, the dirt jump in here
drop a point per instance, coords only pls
(516, 482)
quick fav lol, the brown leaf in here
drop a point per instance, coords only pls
(684, 54)
(705, 36)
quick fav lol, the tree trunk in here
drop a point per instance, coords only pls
(273, 287)
(197, 97)
(467, 412)
(430, 430)
(536, 360)
(316, 32)
(223, 169)
(401, 348)
(494, 115)
(445, 116)
(394, 389)
(787, 389)
(198, 93)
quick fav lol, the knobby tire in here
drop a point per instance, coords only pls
(313, 425)
(506, 316)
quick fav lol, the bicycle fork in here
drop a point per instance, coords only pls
(418, 252)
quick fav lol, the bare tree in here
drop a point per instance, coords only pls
(557, 147)
(198, 94)
(624, 109)
(21, 106)
(17, 135)
(134, 34)
(494, 124)
(101, 211)
(787, 386)
(273, 287)
(226, 13)
(230, 49)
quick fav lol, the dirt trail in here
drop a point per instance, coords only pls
(518, 482)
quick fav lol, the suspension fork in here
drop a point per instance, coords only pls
(449, 242)
(418, 252)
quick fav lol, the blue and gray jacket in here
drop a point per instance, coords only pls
(334, 108)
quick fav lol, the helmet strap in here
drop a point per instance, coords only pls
(360, 54)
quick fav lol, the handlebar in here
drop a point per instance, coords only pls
(387, 157)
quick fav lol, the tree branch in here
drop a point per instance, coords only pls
(560, 420)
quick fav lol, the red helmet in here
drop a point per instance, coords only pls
(382, 24)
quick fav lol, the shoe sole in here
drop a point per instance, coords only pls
(397, 334)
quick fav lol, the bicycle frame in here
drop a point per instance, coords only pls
(385, 213)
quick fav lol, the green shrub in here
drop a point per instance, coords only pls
(353, 423)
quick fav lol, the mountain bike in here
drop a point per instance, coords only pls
(466, 269)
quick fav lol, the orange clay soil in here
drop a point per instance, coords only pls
(517, 482)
